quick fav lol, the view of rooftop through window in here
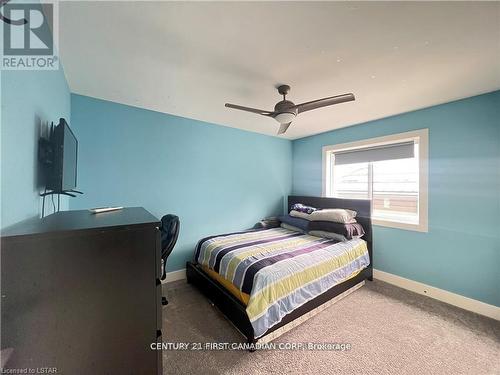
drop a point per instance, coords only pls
(392, 184)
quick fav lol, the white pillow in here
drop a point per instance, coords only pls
(336, 215)
(329, 235)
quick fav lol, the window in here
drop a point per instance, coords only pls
(391, 171)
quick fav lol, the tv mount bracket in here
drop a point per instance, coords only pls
(70, 193)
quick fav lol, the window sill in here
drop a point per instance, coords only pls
(422, 227)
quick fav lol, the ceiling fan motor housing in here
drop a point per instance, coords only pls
(285, 106)
(285, 111)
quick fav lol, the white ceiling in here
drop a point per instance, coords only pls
(188, 58)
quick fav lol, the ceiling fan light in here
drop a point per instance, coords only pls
(285, 117)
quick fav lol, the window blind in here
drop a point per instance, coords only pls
(393, 151)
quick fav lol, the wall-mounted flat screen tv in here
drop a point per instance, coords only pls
(65, 157)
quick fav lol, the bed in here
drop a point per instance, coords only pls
(267, 281)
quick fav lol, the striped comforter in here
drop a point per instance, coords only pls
(280, 269)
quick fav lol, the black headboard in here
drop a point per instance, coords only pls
(361, 206)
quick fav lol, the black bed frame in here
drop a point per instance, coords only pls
(235, 310)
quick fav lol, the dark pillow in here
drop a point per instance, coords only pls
(297, 222)
(349, 231)
(303, 208)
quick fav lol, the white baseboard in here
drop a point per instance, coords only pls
(442, 295)
(174, 276)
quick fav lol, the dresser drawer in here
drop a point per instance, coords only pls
(159, 353)
(158, 254)
(159, 306)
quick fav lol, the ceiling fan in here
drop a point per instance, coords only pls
(285, 111)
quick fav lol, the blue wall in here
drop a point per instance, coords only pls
(461, 251)
(216, 179)
(30, 100)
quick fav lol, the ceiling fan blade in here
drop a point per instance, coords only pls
(283, 128)
(324, 102)
(248, 109)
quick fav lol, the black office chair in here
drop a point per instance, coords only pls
(169, 233)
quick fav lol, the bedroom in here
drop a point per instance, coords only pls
(142, 87)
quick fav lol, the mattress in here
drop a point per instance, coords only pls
(275, 271)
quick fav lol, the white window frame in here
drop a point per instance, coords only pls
(420, 137)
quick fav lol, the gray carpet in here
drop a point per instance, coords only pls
(391, 331)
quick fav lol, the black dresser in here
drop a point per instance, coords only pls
(80, 292)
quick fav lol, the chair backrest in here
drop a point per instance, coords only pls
(169, 229)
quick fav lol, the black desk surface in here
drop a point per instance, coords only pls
(81, 220)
